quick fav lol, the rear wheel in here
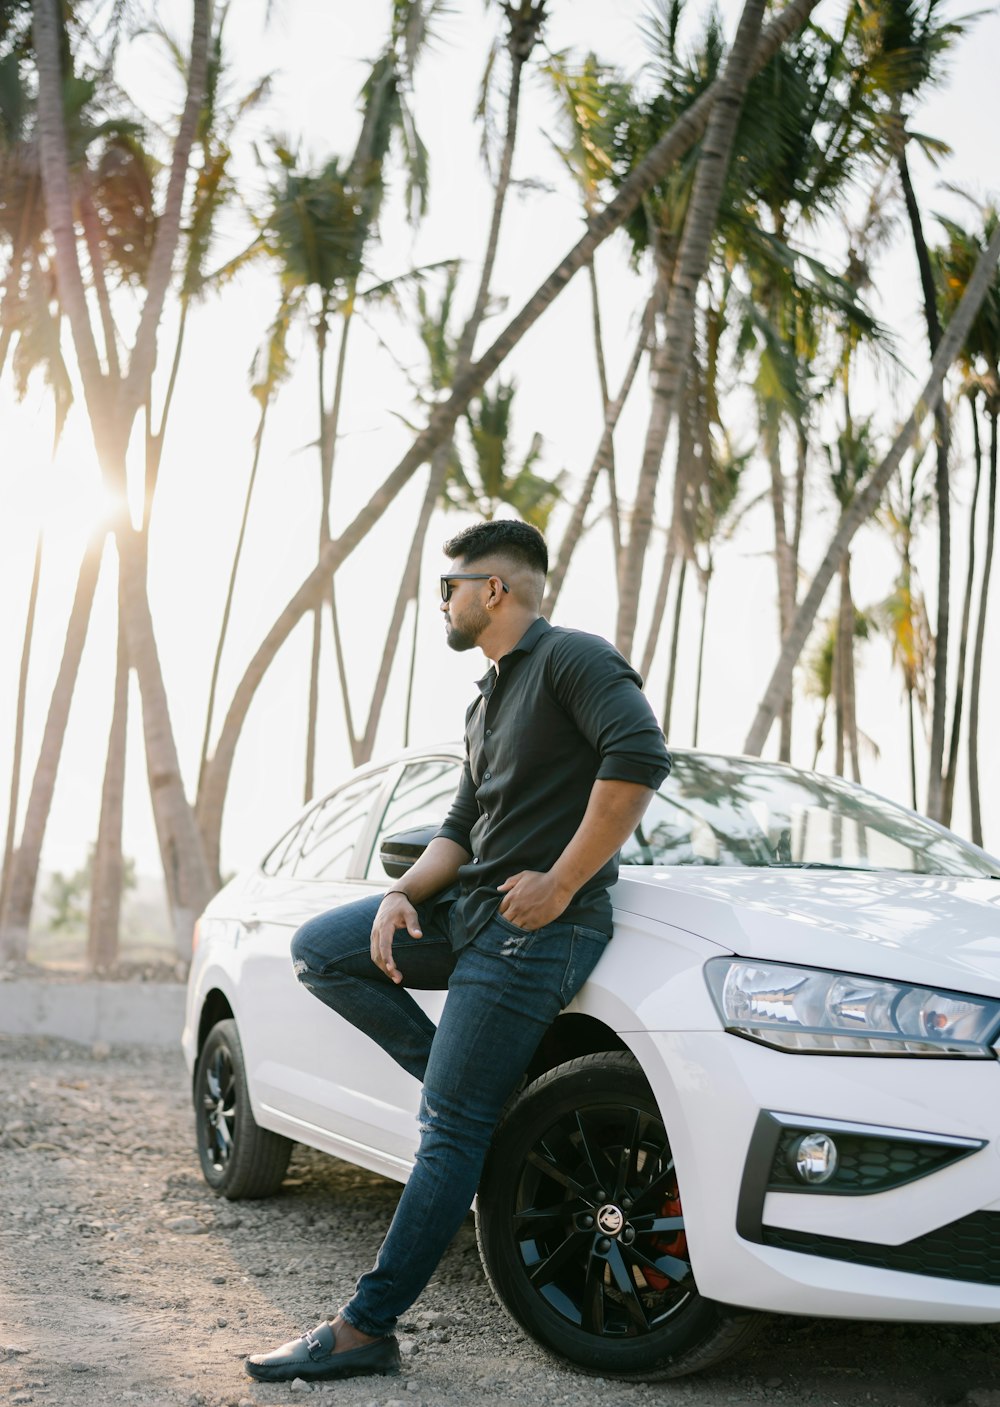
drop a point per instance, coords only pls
(581, 1228)
(238, 1158)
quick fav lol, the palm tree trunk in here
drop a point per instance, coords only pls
(670, 362)
(109, 867)
(186, 872)
(668, 704)
(16, 918)
(785, 570)
(948, 785)
(977, 657)
(847, 659)
(669, 149)
(866, 501)
(683, 474)
(329, 450)
(837, 682)
(412, 674)
(706, 583)
(602, 377)
(574, 528)
(913, 745)
(325, 477)
(660, 601)
(227, 609)
(168, 225)
(820, 730)
(22, 693)
(943, 496)
(408, 591)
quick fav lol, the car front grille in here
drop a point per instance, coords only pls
(968, 1249)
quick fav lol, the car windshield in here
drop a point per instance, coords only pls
(733, 812)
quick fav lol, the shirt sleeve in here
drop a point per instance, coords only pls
(603, 695)
(464, 812)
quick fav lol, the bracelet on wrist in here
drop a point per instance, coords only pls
(398, 891)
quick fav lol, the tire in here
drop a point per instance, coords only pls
(238, 1158)
(619, 1301)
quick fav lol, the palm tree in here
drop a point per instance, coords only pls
(113, 400)
(850, 461)
(953, 264)
(867, 499)
(588, 94)
(903, 613)
(909, 42)
(214, 188)
(441, 423)
(449, 357)
(670, 361)
(32, 318)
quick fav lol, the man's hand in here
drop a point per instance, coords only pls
(395, 911)
(532, 899)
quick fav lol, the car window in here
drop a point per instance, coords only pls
(742, 812)
(281, 859)
(421, 797)
(337, 825)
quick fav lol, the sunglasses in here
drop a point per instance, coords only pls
(446, 581)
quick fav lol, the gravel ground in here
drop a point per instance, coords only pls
(123, 1279)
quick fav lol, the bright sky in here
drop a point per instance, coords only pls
(319, 50)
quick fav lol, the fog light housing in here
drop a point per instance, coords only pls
(813, 1158)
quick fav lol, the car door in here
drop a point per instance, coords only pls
(421, 795)
(297, 1048)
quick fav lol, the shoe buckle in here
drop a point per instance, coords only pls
(315, 1347)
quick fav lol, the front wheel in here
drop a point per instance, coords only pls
(238, 1158)
(581, 1229)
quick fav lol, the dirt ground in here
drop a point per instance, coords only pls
(124, 1280)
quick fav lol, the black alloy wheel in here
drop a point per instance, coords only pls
(581, 1228)
(238, 1158)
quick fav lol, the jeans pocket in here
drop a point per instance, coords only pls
(514, 927)
(585, 949)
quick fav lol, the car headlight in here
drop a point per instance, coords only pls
(810, 1011)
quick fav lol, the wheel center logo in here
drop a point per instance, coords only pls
(610, 1219)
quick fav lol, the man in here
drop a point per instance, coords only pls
(507, 907)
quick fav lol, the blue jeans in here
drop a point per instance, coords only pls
(505, 988)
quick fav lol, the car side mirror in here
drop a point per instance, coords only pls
(398, 852)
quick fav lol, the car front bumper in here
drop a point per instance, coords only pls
(928, 1249)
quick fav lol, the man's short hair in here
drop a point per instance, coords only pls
(519, 542)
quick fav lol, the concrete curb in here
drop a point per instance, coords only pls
(116, 1013)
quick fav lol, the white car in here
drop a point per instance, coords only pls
(779, 1090)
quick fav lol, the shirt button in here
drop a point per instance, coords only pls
(487, 776)
(476, 860)
(489, 731)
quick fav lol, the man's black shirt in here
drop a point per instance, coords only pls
(565, 710)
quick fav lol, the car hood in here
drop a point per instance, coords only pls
(927, 929)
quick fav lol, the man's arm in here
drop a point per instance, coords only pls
(437, 867)
(533, 899)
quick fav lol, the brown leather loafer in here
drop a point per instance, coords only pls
(312, 1356)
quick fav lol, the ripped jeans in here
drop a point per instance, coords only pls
(505, 988)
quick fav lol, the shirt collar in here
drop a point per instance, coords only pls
(524, 646)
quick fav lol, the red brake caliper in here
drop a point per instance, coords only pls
(675, 1245)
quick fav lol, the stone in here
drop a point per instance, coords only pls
(185, 1226)
(299, 1385)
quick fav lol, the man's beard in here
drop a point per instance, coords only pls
(466, 635)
